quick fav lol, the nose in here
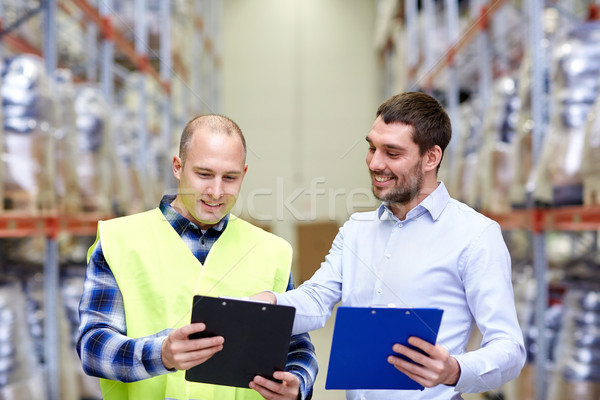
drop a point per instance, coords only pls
(217, 190)
(375, 161)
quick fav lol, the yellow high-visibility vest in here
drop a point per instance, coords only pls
(158, 276)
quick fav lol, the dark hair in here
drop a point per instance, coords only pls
(430, 122)
(216, 123)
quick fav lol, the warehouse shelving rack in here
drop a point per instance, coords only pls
(197, 92)
(538, 221)
(49, 225)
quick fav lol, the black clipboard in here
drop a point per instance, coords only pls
(257, 339)
(363, 338)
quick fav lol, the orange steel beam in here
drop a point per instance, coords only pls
(22, 224)
(538, 220)
(20, 45)
(121, 42)
(516, 219)
(473, 29)
(572, 218)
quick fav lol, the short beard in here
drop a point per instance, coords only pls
(412, 185)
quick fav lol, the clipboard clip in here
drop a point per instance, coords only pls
(389, 305)
(244, 298)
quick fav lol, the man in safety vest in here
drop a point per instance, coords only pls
(144, 269)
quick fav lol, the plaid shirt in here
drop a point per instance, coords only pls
(107, 352)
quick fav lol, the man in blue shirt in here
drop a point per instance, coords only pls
(419, 249)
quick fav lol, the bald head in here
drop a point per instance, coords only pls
(216, 124)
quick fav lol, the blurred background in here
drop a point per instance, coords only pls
(95, 94)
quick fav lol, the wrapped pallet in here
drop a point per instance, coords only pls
(93, 168)
(522, 151)
(452, 179)
(130, 198)
(469, 143)
(36, 315)
(495, 171)
(522, 160)
(559, 178)
(67, 191)
(578, 363)
(21, 374)
(159, 157)
(29, 118)
(590, 164)
(145, 147)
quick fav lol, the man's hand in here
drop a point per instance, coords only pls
(437, 367)
(288, 389)
(265, 296)
(180, 352)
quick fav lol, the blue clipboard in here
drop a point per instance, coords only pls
(363, 338)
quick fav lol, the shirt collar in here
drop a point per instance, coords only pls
(435, 204)
(179, 222)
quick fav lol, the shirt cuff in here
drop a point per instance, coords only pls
(466, 378)
(155, 357)
(280, 299)
(304, 393)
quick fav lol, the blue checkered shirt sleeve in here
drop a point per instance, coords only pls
(104, 348)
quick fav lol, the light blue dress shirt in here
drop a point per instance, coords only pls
(443, 255)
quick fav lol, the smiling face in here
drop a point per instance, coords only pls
(399, 173)
(211, 176)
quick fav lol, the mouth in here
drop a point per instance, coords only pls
(381, 180)
(211, 204)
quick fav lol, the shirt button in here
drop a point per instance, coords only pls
(388, 255)
(379, 290)
(400, 225)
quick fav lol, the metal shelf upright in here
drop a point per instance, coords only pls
(51, 267)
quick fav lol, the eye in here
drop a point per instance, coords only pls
(371, 149)
(393, 155)
(230, 178)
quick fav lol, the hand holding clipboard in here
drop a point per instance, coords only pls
(426, 363)
(378, 329)
(177, 352)
(257, 339)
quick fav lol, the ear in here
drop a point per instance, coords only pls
(433, 158)
(177, 167)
